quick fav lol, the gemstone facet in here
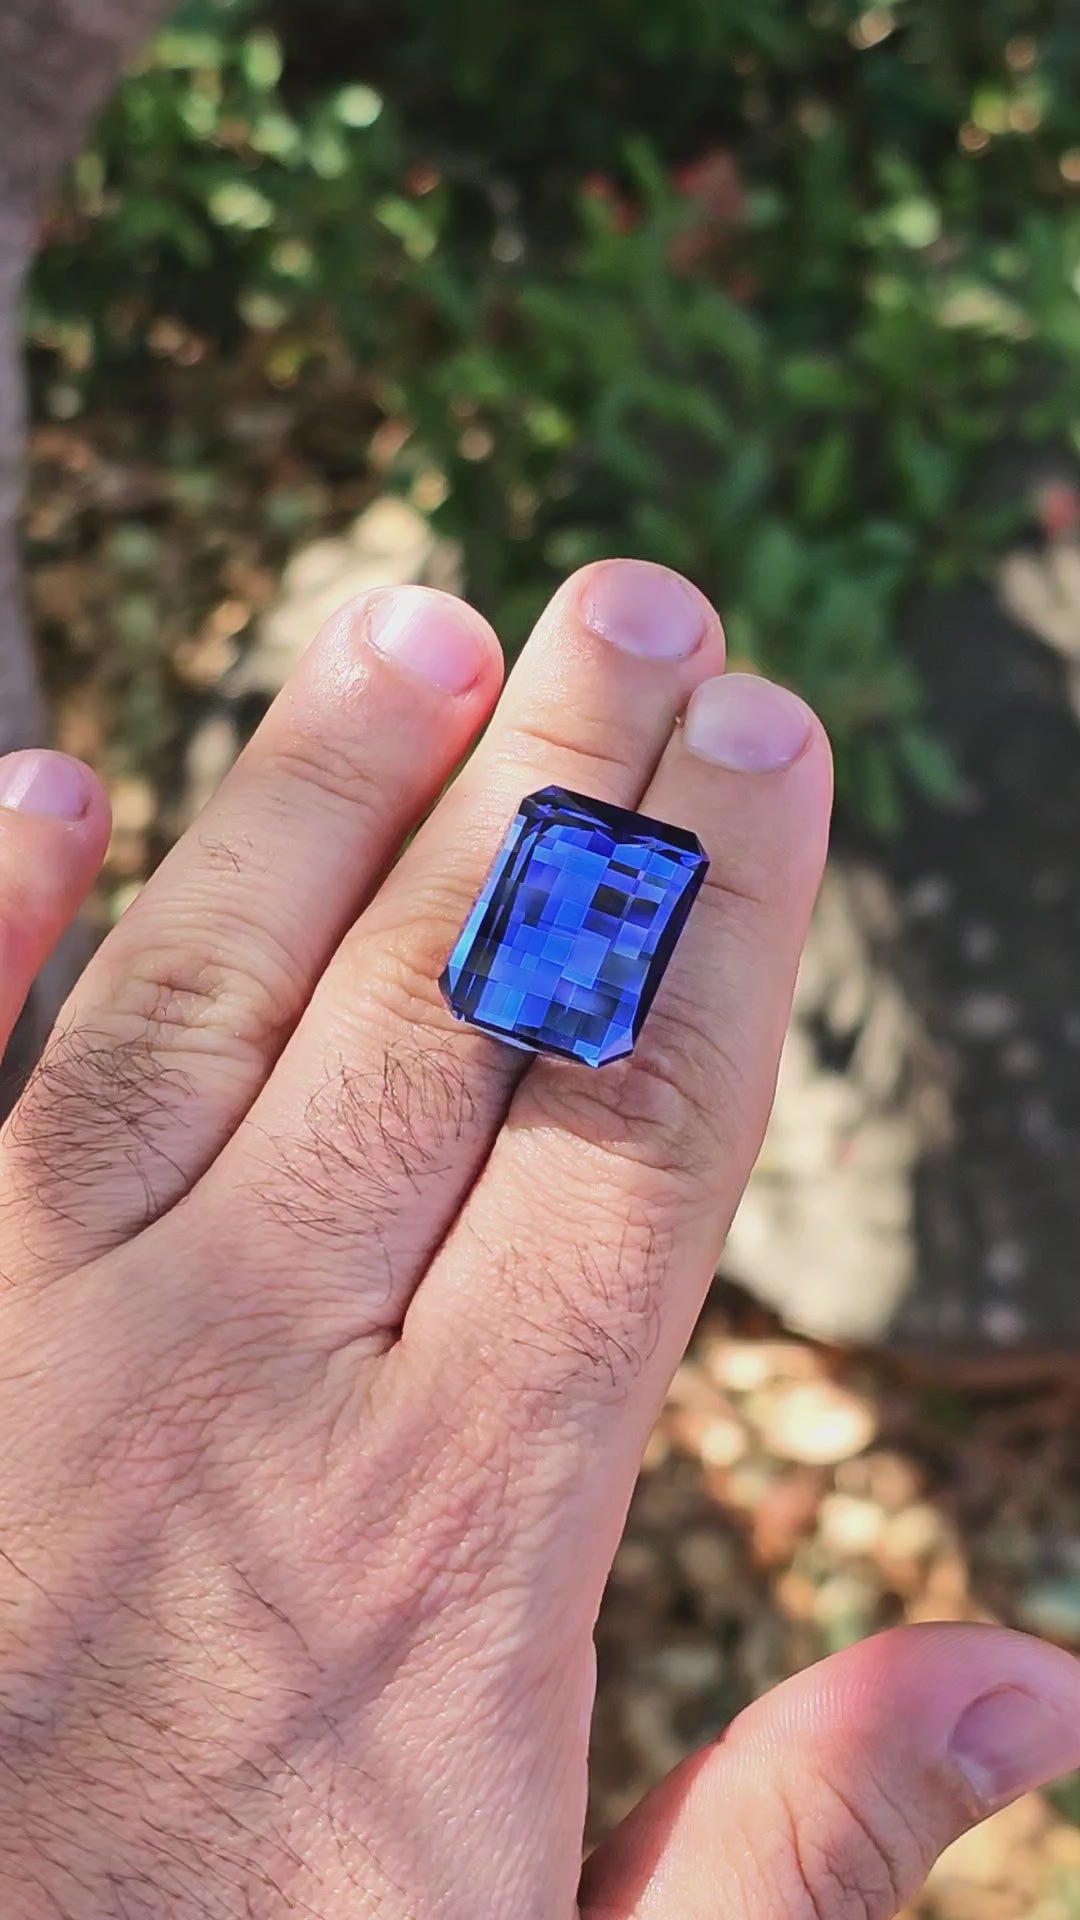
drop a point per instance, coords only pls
(575, 926)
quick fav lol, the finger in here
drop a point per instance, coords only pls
(383, 1108)
(835, 1794)
(177, 1021)
(582, 1257)
(54, 828)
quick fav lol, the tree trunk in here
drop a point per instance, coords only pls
(59, 59)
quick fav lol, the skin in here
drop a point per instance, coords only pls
(332, 1331)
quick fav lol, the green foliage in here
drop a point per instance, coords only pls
(747, 286)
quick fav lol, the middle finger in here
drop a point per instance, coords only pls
(383, 1108)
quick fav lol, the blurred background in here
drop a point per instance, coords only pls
(786, 296)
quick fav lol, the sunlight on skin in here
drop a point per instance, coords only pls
(334, 1330)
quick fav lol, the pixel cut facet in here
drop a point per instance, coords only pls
(574, 928)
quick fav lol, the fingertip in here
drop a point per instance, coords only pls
(423, 633)
(1000, 1706)
(43, 784)
(751, 771)
(54, 830)
(435, 636)
(648, 610)
(942, 1663)
(854, 1774)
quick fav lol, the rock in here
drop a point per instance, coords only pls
(888, 1479)
(690, 1666)
(390, 545)
(784, 1513)
(850, 1526)
(844, 1609)
(648, 1729)
(708, 1560)
(1052, 1607)
(816, 1423)
(702, 1420)
(928, 1108)
(211, 751)
(742, 1366)
(825, 1233)
(986, 1015)
(907, 1541)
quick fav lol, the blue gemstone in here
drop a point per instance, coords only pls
(572, 934)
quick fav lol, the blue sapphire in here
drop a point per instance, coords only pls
(572, 934)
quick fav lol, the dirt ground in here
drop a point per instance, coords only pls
(797, 1493)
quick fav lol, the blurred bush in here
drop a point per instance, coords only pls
(753, 287)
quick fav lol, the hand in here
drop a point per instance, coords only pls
(333, 1331)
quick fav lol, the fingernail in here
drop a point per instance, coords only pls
(1010, 1742)
(747, 724)
(34, 781)
(429, 634)
(644, 609)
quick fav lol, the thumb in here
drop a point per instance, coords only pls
(54, 827)
(831, 1798)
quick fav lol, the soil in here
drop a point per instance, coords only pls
(793, 1500)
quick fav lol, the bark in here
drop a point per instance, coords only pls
(59, 60)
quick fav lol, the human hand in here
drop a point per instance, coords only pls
(333, 1331)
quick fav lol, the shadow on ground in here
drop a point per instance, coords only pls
(921, 1182)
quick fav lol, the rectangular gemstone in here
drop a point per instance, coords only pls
(574, 928)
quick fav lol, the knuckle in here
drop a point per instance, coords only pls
(741, 888)
(402, 977)
(396, 973)
(578, 1327)
(603, 744)
(369, 1137)
(431, 1510)
(91, 1089)
(184, 998)
(112, 1082)
(668, 1101)
(338, 764)
(828, 1857)
(666, 1115)
(461, 1529)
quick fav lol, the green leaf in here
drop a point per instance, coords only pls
(916, 222)
(358, 106)
(826, 478)
(928, 471)
(931, 766)
(776, 574)
(236, 203)
(262, 61)
(181, 51)
(744, 480)
(817, 381)
(875, 788)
